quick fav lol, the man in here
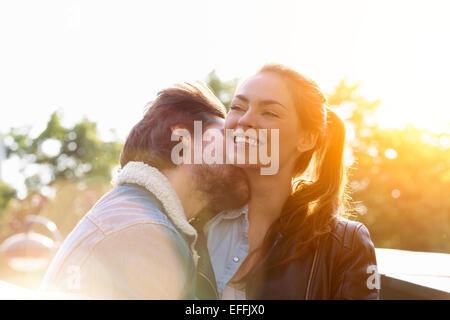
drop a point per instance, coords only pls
(137, 242)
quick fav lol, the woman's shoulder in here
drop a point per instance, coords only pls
(350, 233)
(354, 259)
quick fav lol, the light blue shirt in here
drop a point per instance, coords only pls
(227, 243)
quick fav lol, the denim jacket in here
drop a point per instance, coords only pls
(126, 247)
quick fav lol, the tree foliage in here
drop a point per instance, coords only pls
(64, 153)
(59, 159)
(7, 194)
(224, 90)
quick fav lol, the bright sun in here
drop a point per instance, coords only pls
(416, 89)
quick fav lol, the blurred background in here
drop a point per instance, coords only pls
(75, 77)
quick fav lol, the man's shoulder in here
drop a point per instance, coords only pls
(125, 206)
(126, 215)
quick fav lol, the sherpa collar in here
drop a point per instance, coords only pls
(154, 181)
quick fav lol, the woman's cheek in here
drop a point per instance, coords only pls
(287, 144)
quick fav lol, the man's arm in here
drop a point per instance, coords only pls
(143, 261)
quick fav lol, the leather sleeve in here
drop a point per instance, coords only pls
(357, 268)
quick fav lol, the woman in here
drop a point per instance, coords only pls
(291, 240)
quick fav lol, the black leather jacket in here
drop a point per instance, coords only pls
(342, 266)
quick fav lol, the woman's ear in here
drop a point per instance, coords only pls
(307, 141)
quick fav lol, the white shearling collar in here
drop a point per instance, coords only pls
(154, 181)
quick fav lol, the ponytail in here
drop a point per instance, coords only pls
(313, 205)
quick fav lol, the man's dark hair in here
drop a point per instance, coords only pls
(150, 139)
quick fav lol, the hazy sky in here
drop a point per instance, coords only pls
(106, 59)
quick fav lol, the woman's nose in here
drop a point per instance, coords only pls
(248, 120)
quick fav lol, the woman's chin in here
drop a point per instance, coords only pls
(241, 161)
(247, 166)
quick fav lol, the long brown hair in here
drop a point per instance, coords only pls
(319, 178)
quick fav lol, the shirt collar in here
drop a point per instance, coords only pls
(233, 214)
(229, 215)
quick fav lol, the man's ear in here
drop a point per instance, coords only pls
(181, 134)
(307, 141)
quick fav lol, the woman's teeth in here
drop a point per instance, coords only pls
(246, 140)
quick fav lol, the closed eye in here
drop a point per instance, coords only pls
(237, 108)
(270, 114)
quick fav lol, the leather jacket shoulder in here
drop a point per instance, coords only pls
(339, 267)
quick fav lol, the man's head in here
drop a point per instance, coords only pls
(179, 106)
(151, 141)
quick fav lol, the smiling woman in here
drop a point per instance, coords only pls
(291, 241)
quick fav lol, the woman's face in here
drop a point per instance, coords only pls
(264, 101)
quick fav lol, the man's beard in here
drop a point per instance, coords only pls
(225, 187)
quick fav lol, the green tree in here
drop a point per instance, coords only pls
(399, 178)
(7, 194)
(73, 162)
(224, 90)
(64, 153)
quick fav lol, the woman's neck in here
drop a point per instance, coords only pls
(268, 195)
